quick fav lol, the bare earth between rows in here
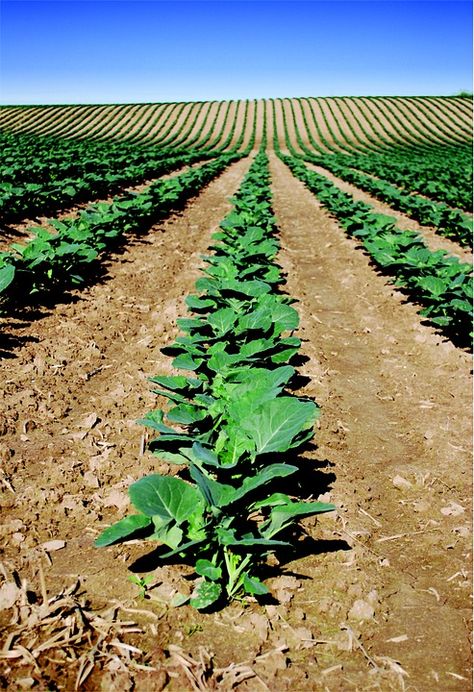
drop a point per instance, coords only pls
(432, 239)
(394, 399)
(23, 231)
(380, 600)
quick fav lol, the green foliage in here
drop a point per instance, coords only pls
(438, 281)
(449, 222)
(62, 257)
(236, 421)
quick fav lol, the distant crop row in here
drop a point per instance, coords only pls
(410, 175)
(345, 124)
(69, 171)
(40, 175)
(63, 257)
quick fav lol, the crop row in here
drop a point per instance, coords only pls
(230, 424)
(450, 181)
(443, 173)
(377, 121)
(449, 222)
(97, 170)
(32, 199)
(436, 280)
(40, 175)
(164, 125)
(62, 258)
(351, 124)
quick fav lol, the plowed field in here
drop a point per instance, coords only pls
(374, 597)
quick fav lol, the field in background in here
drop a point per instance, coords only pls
(331, 124)
(106, 215)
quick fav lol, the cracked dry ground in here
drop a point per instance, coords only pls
(377, 601)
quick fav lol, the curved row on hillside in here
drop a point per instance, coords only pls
(325, 124)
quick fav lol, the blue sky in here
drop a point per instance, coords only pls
(109, 51)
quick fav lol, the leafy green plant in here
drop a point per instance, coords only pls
(61, 257)
(224, 509)
(439, 282)
(141, 582)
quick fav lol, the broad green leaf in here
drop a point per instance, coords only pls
(272, 501)
(254, 586)
(204, 455)
(166, 496)
(167, 533)
(122, 529)
(260, 319)
(253, 288)
(220, 362)
(285, 318)
(188, 324)
(195, 303)
(7, 274)
(185, 362)
(461, 305)
(173, 382)
(267, 474)
(205, 568)
(433, 284)
(172, 396)
(215, 494)
(232, 444)
(276, 425)
(261, 385)
(255, 346)
(222, 321)
(186, 414)
(282, 516)
(250, 542)
(205, 595)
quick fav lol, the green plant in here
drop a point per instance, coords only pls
(225, 510)
(141, 582)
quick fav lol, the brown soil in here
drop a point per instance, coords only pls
(346, 118)
(72, 392)
(432, 239)
(309, 119)
(115, 120)
(393, 400)
(23, 231)
(379, 602)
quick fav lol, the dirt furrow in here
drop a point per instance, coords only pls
(372, 594)
(22, 232)
(394, 429)
(77, 381)
(432, 239)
